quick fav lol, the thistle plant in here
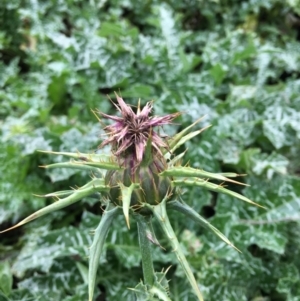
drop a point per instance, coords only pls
(142, 180)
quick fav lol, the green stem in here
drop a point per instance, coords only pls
(145, 247)
(160, 213)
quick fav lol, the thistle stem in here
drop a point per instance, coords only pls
(160, 213)
(145, 247)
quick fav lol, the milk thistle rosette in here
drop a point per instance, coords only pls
(141, 181)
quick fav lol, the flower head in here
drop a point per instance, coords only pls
(131, 131)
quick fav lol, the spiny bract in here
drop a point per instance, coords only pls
(142, 176)
(138, 149)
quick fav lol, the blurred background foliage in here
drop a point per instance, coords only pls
(237, 62)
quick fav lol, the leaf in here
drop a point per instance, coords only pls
(175, 139)
(184, 139)
(123, 244)
(159, 291)
(246, 53)
(188, 61)
(289, 284)
(76, 196)
(126, 199)
(192, 172)
(218, 73)
(176, 159)
(213, 187)
(277, 123)
(66, 277)
(161, 216)
(97, 246)
(111, 29)
(145, 249)
(138, 91)
(88, 161)
(6, 278)
(191, 213)
(270, 164)
(73, 165)
(80, 156)
(43, 248)
(167, 24)
(3, 297)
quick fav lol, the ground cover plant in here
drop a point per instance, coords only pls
(237, 63)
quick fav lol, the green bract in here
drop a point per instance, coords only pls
(142, 179)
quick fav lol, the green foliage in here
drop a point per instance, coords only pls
(238, 63)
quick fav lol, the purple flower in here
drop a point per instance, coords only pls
(130, 132)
